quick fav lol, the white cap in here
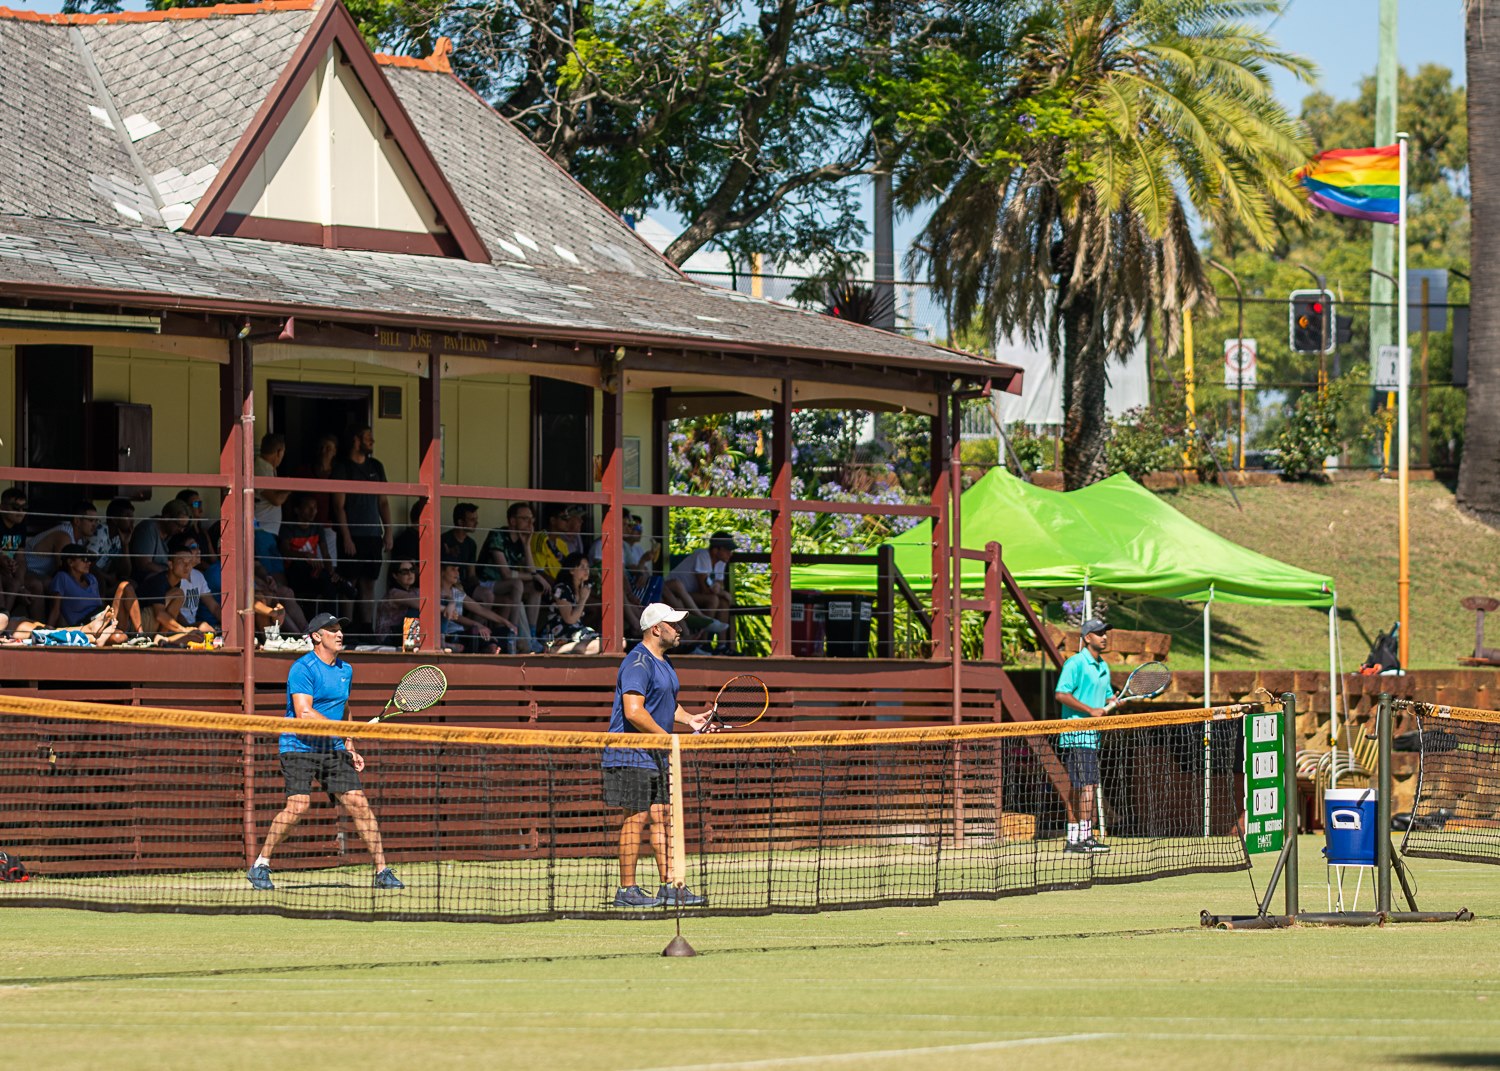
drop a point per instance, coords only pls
(658, 612)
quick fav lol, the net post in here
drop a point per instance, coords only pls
(1292, 808)
(677, 850)
(1383, 786)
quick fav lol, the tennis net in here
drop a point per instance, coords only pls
(1456, 813)
(143, 809)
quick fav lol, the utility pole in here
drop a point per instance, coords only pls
(1383, 236)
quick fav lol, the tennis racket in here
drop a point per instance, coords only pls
(1144, 682)
(740, 702)
(418, 690)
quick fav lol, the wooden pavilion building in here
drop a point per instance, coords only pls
(219, 222)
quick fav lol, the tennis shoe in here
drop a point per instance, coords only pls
(1076, 847)
(387, 879)
(260, 877)
(1095, 845)
(672, 896)
(635, 896)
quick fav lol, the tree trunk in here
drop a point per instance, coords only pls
(1479, 472)
(1085, 417)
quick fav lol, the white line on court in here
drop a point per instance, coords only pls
(883, 1054)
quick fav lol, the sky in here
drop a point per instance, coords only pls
(1339, 36)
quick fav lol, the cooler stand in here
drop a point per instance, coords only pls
(1349, 826)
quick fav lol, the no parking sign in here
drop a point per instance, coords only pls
(1239, 362)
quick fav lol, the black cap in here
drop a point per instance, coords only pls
(1091, 626)
(323, 621)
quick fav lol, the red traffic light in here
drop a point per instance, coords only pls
(1317, 306)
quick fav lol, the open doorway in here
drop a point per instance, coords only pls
(305, 411)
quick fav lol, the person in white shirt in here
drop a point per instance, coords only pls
(697, 583)
(268, 503)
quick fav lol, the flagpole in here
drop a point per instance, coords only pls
(1403, 447)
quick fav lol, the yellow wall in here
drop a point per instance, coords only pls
(8, 405)
(486, 419)
(184, 398)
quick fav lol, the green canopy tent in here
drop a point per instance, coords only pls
(1113, 536)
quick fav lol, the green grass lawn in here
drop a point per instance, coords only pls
(1348, 531)
(1111, 977)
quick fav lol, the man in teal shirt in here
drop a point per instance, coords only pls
(1084, 691)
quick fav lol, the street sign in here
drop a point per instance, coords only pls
(1265, 809)
(1386, 374)
(1239, 362)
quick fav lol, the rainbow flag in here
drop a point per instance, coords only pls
(1358, 183)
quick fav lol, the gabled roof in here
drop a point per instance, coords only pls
(334, 28)
(113, 129)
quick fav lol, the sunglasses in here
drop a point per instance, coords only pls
(196, 503)
(405, 569)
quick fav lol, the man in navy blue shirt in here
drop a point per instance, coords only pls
(317, 689)
(635, 779)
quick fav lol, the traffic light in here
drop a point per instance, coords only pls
(1343, 330)
(1310, 321)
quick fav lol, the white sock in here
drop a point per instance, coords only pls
(1073, 837)
(1086, 829)
(261, 860)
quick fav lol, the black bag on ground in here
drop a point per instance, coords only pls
(1384, 653)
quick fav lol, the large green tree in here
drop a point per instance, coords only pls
(755, 122)
(1071, 224)
(1431, 107)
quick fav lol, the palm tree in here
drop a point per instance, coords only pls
(1479, 472)
(1072, 226)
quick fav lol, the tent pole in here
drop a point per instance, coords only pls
(1208, 689)
(1333, 686)
(1088, 602)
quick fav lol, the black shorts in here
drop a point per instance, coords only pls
(364, 563)
(1082, 764)
(634, 788)
(334, 770)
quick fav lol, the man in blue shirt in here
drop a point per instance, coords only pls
(635, 779)
(317, 689)
(1084, 691)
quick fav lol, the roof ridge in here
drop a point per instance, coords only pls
(437, 62)
(263, 7)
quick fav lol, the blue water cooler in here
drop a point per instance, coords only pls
(1349, 830)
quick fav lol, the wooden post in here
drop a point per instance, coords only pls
(231, 539)
(662, 481)
(612, 564)
(429, 521)
(939, 499)
(955, 554)
(241, 521)
(992, 597)
(781, 524)
(885, 601)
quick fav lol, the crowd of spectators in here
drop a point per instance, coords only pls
(522, 587)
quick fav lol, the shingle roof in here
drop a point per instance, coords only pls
(187, 88)
(77, 211)
(523, 206)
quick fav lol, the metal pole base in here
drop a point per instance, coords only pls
(678, 945)
(1320, 918)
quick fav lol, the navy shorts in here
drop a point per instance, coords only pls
(334, 770)
(1082, 764)
(634, 788)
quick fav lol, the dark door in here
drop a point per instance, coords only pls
(562, 440)
(304, 412)
(54, 387)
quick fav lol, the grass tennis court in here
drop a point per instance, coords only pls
(1110, 977)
